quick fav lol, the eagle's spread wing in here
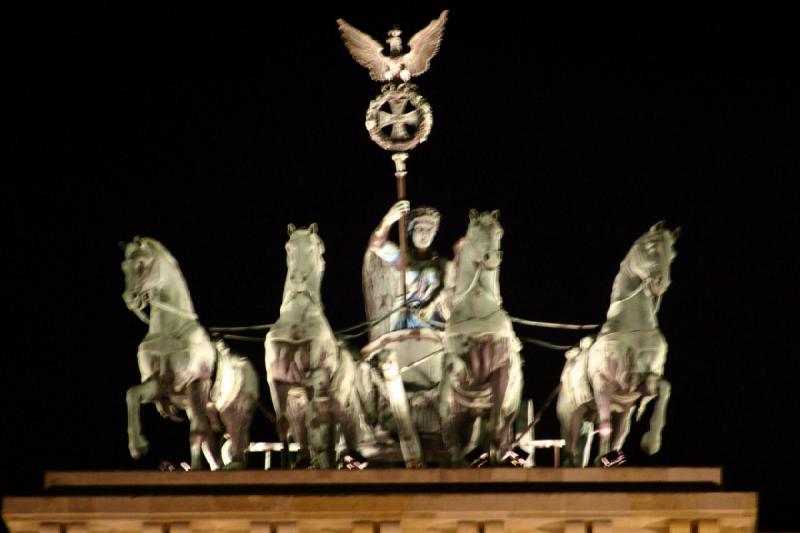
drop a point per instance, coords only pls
(424, 45)
(365, 50)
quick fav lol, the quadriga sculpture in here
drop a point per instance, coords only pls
(602, 382)
(482, 368)
(311, 379)
(176, 357)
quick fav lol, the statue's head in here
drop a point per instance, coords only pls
(143, 269)
(484, 234)
(651, 256)
(422, 225)
(304, 251)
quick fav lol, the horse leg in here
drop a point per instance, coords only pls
(585, 440)
(346, 413)
(289, 418)
(567, 458)
(318, 420)
(138, 394)
(648, 390)
(498, 426)
(293, 422)
(201, 437)
(651, 441)
(571, 424)
(622, 426)
(346, 422)
(277, 365)
(603, 380)
(457, 432)
(455, 418)
(603, 391)
(237, 418)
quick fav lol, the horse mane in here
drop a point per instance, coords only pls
(160, 250)
(653, 235)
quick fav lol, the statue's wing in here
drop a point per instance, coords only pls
(365, 50)
(424, 45)
(380, 283)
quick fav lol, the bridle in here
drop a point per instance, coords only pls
(481, 267)
(147, 299)
(643, 282)
(301, 289)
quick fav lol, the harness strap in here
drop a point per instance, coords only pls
(552, 325)
(472, 285)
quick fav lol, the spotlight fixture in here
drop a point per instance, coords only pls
(352, 460)
(477, 458)
(516, 457)
(614, 458)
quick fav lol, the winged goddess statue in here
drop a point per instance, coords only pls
(397, 65)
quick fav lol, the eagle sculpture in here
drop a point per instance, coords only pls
(397, 65)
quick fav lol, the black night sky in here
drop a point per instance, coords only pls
(212, 133)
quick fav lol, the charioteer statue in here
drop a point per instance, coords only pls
(408, 298)
(425, 303)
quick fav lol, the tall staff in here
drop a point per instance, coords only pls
(399, 118)
(400, 175)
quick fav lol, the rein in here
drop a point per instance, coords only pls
(475, 278)
(552, 325)
(636, 291)
(458, 297)
(538, 416)
(164, 307)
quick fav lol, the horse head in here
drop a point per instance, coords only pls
(304, 261)
(651, 256)
(143, 270)
(483, 238)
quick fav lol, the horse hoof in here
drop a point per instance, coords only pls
(650, 444)
(138, 448)
(138, 453)
(302, 463)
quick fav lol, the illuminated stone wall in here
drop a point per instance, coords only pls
(511, 500)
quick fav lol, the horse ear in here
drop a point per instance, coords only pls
(473, 215)
(676, 233)
(496, 214)
(290, 229)
(657, 226)
(313, 228)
